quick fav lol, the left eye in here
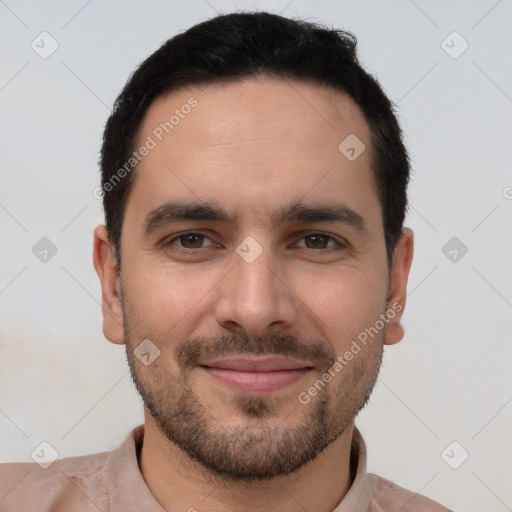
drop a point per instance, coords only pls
(319, 241)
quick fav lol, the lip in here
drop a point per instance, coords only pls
(256, 363)
(256, 374)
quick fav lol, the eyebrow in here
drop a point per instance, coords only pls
(297, 212)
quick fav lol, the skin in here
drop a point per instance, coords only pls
(252, 146)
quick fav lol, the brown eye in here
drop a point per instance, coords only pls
(317, 241)
(320, 241)
(187, 242)
(191, 240)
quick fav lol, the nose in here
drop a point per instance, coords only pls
(256, 297)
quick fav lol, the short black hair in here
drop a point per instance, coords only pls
(241, 45)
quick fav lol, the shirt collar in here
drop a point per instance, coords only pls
(358, 496)
(129, 492)
(124, 481)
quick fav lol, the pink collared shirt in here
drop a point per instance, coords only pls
(112, 482)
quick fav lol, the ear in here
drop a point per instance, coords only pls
(107, 270)
(398, 286)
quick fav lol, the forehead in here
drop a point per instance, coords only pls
(253, 144)
(274, 109)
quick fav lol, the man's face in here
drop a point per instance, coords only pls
(227, 301)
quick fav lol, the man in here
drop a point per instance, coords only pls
(254, 262)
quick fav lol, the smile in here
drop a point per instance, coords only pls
(256, 375)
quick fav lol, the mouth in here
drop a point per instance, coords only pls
(256, 374)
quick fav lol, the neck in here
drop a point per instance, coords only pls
(179, 483)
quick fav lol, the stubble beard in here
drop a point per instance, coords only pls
(261, 446)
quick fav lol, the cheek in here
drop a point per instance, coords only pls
(347, 302)
(162, 296)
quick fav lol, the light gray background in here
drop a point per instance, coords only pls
(448, 380)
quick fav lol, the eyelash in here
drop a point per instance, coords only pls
(170, 242)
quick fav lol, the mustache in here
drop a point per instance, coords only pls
(192, 353)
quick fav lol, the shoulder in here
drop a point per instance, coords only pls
(387, 495)
(74, 481)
